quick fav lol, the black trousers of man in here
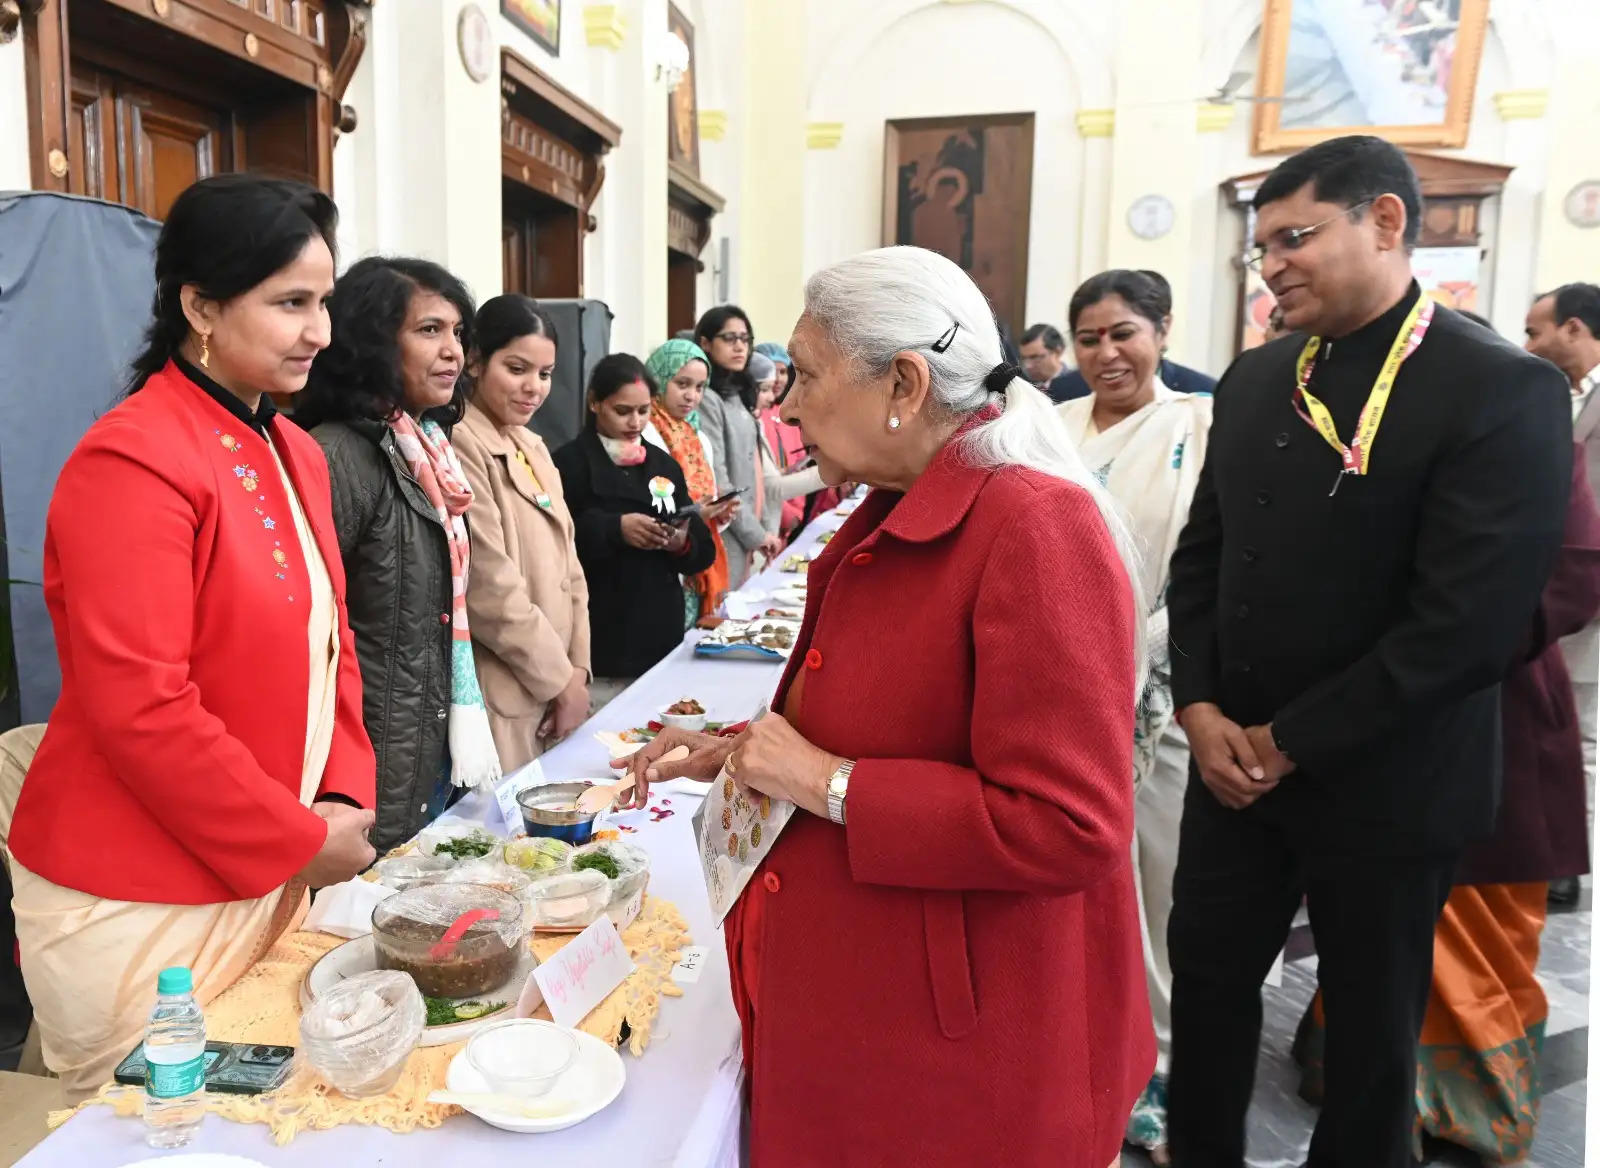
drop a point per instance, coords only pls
(1239, 882)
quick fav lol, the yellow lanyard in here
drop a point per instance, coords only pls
(1357, 457)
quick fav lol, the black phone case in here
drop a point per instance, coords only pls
(235, 1068)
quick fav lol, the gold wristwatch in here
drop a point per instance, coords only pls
(838, 788)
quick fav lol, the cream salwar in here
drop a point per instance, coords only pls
(90, 964)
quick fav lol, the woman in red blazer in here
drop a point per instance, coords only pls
(939, 963)
(206, 759)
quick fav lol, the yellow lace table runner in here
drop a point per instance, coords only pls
(264, 1007)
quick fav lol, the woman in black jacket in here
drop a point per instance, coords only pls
(635, 535)
(380, 400)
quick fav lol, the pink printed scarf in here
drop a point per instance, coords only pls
(432, 461)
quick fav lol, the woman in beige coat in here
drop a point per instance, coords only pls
(527, 601)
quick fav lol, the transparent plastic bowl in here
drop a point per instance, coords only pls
(359, 1033)
(407, 926)
(569, 900)
(523, 1057)
(413, 871)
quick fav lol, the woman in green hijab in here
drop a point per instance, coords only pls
(681, 371)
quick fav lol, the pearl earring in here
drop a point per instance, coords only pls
(894, 423)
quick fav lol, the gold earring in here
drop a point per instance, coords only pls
(205, 350)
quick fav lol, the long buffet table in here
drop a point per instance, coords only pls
(680, 1107)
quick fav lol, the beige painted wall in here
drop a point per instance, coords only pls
(904, 58)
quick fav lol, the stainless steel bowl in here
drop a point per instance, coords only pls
(552, 811)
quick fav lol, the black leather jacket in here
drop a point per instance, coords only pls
(397, 564)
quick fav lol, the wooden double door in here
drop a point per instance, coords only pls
(140, 144)
(541, 244)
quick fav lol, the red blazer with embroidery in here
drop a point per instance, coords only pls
(170, 771)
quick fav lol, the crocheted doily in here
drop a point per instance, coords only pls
(264, 1007)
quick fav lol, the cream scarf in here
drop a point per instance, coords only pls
(1150, 462)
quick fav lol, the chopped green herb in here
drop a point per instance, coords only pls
(601, 862)
(465, 847)
(444, 1012)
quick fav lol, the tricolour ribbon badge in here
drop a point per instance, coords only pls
(661, 492)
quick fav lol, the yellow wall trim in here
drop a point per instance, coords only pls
(713, 125)
(1096, 123)
(605, 25)
(1511, 104)
(1211, 118)
(824, 135)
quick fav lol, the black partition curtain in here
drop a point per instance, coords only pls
(76, 279)
(583, 336)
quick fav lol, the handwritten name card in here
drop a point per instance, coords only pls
(583, 972)
(506, 794)
(690, 962)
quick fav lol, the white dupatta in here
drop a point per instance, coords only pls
(1150, 462)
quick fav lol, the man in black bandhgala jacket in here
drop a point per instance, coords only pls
(1381, 502)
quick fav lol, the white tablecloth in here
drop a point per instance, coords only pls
(680, 1108)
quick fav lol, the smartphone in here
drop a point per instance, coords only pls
(724, 498)
(232, 1068)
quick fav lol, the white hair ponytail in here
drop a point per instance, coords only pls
(881, 303)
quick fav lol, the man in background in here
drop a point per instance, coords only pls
(1175, 376)
(1563, 327)
(1044, 362)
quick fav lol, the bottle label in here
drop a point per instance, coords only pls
(174, 1080)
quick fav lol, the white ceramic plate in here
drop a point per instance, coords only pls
(358, 956)
(591, 1086)
(199, 1160)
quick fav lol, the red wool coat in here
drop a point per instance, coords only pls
(956, 977)
(170, 772)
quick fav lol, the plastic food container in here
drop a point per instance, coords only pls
(552, 810)
(464, 841)
(359, 1033)
(538, 855)
(490, 872)
(569, 900)
(627, 887)
(412, 871)
(409, 931)
(523, 1057)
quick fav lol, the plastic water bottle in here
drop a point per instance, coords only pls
(175, 1063)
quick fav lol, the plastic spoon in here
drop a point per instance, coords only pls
(447, 943)
(504, 1104)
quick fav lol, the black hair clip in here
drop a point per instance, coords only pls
(946, 338)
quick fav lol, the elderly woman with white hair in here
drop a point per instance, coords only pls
(949, 918)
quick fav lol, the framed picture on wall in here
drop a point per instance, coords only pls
(540, 19)
(1402, 69)
(963, 187)
(683, 106)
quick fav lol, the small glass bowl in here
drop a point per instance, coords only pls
(359, 1033)
(523, 1057)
